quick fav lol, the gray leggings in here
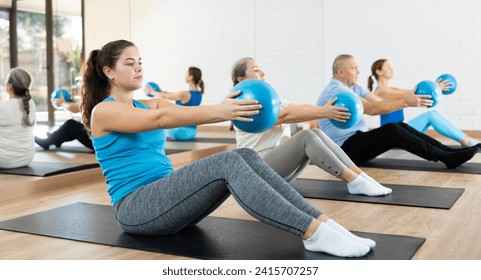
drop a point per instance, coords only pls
(292, 156)
(189, 194)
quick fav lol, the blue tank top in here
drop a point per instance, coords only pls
(131, 160)
(195, 100)
(393, 117)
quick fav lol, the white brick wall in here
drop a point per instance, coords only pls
(289, 47)
(296, 40)
(422, 39)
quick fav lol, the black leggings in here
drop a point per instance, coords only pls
(364, 146)
(69, 131)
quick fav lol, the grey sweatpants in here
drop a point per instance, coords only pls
(189, 194)
(292, 156)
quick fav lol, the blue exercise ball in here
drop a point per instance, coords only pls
(267, 97)
(56, 94)
(182, 133)
(452, 82)
(352, 102)
(154, 86)
(430, 88)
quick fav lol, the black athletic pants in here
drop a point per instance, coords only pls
(364, 146)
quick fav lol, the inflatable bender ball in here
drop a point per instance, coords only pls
(56, 94)
(182, 133)
(353, 104)
(154, 86)
(267, 97)
(452, 81)
(429, 88)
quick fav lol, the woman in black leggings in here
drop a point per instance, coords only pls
(69, 131)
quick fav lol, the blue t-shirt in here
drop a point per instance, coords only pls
(340, 135)
(195, 100)
(393, 117)
(131, 160)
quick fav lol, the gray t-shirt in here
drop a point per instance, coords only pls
(339, 135)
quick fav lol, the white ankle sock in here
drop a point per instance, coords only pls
(370, 179)
(328, 240)
(368, 242)
(471, 142)
(364, 186)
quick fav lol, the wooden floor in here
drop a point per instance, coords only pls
(450, 234)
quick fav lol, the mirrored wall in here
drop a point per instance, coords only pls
(30, 51)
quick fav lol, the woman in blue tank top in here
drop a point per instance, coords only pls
(192, 97)
(149, 197)
(382, 72)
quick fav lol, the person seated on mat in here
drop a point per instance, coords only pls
(149, 197)
(381, 73)
(192, 97)
(17, 119)
(361, 144)
(287, 155)
(69, 131)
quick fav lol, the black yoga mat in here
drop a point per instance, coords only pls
(450, 146)
(212, 238)
(206, 140)
(67, 149)
(421, 165)
(43, 169)
(174, 151)
(82, 149)
(418, 196)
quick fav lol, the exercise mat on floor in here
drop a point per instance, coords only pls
(213, 238)
(43, 169)
(404, 195)
(175, 151)
(206, 140)
(421, 165)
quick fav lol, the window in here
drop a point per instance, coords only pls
(32, 48)
(32, 54)
(4, 48)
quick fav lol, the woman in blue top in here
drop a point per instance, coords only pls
(192, 97)
(382, 72)
(150, 198)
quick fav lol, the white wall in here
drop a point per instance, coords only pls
(105, 21)
(209, 34)
(295, 42)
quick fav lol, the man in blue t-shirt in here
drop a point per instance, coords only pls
(361, 144)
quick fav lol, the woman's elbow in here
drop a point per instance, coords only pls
(161, 122)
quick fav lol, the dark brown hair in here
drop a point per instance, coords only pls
(196, 74)
(96, 85)
(377, 65)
